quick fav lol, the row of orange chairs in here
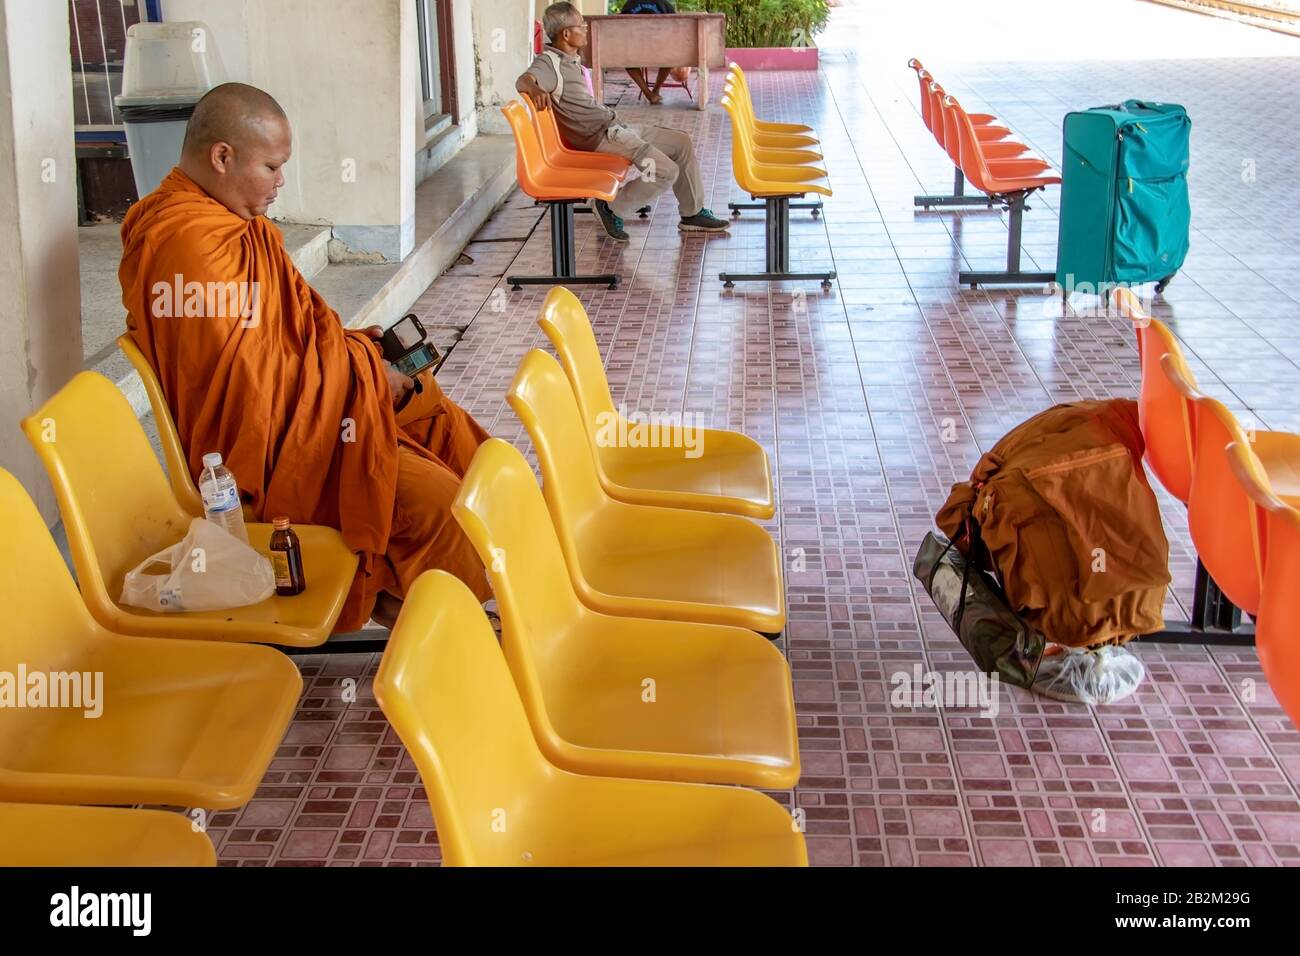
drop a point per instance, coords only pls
(561, 179)
(984, 155)
(1242, 491)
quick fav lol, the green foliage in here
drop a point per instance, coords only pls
(765, 23)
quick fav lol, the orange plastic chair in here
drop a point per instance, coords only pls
(925, 79)
(1011, 189)
(1005, 158)
(986, 133)
(1221, 516)
(562, 157)
(975, 161)
(1164, 408)
(40, 835)
(729, 474)
(139, 720)
(497, 801)
(720, 707)
(637, 560)
(118, 508)
(1277, 626)
(560, 188)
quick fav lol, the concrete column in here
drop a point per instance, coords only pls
(503, 38)
(40, 298)
(341, 71)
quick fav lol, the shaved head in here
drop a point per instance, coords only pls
(231, 113)
(236, 142)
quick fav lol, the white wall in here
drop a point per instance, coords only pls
(40, 298)
(466, 71)
(343, 73)
(503, 38)
(226, 21)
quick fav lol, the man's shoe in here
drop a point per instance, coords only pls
(611, 223)
(704, 221)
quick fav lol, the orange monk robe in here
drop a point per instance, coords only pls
(256, 366)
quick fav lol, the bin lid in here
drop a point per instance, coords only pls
(169, 63)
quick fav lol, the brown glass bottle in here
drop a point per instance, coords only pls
(286, 559)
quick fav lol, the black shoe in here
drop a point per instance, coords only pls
(611, 223)
(704, 221)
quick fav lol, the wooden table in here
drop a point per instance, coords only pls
(654, 40)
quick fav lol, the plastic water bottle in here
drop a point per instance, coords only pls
(221, 503)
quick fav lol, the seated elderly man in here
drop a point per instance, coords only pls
(665, 156)
(308, 416)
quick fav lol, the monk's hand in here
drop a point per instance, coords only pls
(398, 383)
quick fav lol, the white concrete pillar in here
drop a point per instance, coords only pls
(40, 297)
(341, 71)
(503, 37)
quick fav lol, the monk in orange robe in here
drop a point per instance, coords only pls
(308, 416)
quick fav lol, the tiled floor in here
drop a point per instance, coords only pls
(872, 400)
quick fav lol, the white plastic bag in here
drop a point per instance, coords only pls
(1102, 676)
(209, 570)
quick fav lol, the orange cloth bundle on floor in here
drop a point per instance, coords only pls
(256, 365)
(1066, 512)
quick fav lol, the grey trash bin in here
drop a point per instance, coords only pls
(168, 68)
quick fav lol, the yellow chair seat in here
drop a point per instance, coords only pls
(177, 723)
(37, 835)
(731, 473)
(638, 560)
(671, 564)
(304, 620)
(788, 157)
(719, 708)
(736, 77)
(765, 137)
(496, 799)
(118, 509)
(761, 179)
(731, 476)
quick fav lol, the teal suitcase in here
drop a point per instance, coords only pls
(1125, 215)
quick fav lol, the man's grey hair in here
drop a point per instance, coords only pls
(556, 17)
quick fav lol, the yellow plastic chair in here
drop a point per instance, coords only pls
(777, 186)
(178, 468)
(1277, 626)
(763, 179)
(639, 560)
(770, 148)
(618, 696)
(736, 77)
(497, 801)
(179, 723)
(118, 509)
(42, 835)
(730, 472)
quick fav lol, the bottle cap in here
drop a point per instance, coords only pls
(279, 524)
(212, 459)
